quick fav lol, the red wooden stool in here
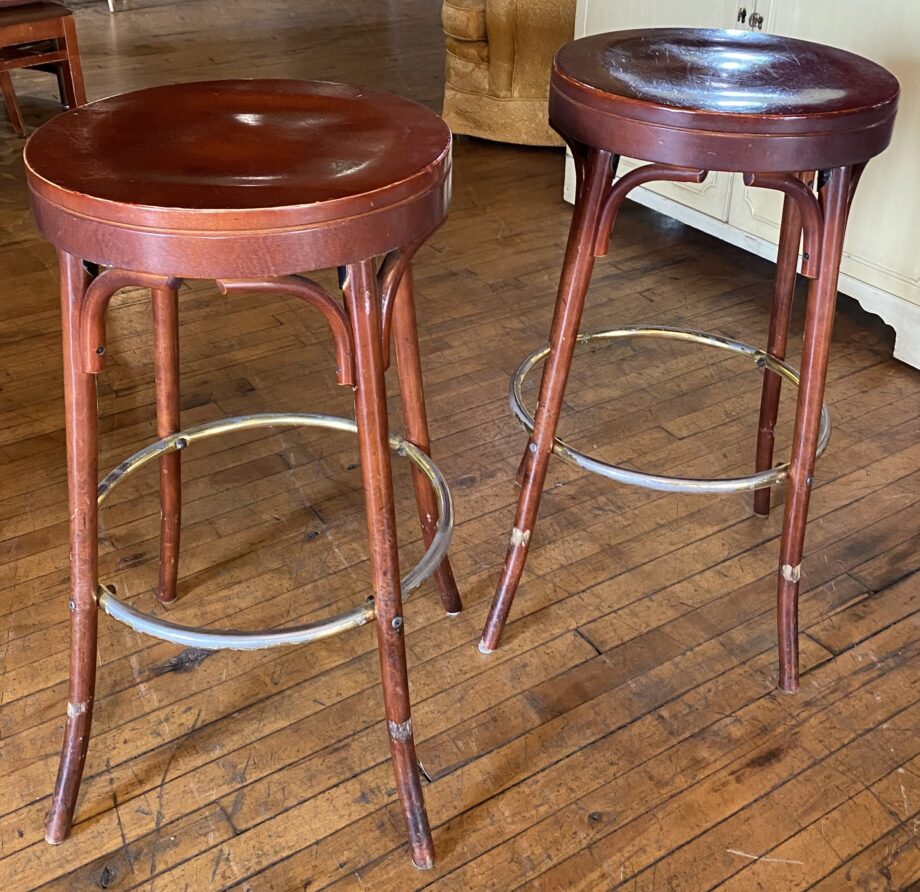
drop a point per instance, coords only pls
(247, 182)
(789, 115)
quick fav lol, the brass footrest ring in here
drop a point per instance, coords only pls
(219, 639)
(567, 453)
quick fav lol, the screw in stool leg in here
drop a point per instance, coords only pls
(409, 369)
(81, 427)
(573, 285)
(784, 290)
(819, 323)
(362, 301)
(166, 366)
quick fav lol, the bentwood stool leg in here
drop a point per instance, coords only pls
(819, 321)
(166, 366)
(80, 419)
(576, 276)
(371, 415)
(409, 369)
(790, 237)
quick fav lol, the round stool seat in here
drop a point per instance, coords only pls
(317, 171)
(722, 100)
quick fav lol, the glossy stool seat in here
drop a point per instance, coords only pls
(306, 167)
(248, 183)
(789, 115)
(786, 104)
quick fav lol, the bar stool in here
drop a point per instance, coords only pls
(247, 183)
(780, 111)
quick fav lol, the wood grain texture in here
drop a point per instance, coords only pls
(626, 734)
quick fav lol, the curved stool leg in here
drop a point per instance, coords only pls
(80, 419)
(409, 369)
(819, 322)
(166, 365)
(361, 298)
(790, 238)
(570, 298)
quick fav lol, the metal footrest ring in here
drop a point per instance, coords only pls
(762, 360)
(219, 639)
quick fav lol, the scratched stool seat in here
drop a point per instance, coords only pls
(789, 115)
(248, 183)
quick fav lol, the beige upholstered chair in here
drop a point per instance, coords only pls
(499, 54)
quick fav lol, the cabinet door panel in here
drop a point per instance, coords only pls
(595, 16)
(882, 234)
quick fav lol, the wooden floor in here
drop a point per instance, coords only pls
(627, 734)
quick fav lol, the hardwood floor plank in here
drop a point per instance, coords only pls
(832, 799)
(873, 834)
(615, 855)
(580, 756)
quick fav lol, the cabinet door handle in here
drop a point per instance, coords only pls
(756, 21)
(742, 14)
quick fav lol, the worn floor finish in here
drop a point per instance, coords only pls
(627, 734)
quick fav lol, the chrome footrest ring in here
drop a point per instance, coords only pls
(219, 639)
(569, 454)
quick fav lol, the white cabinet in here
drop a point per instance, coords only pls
(881, 264)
